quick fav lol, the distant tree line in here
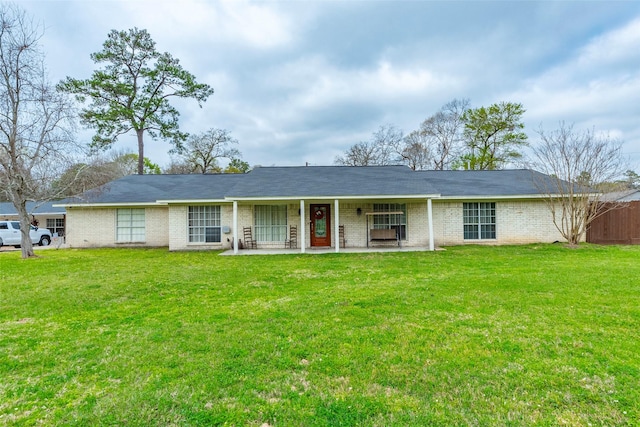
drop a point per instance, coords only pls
(455, 137)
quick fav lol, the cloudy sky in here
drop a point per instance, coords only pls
(301, 81)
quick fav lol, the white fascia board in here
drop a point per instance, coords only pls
(193, 202)
(110, 205)
(362, 197)
(503, 197)
(34, 213)
(496, 197)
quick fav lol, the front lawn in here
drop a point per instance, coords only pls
(523, 335)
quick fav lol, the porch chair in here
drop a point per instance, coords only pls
(249, 243)
(341, 239)
(292, 242)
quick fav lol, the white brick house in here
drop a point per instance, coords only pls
(46, 214)
(328, 206)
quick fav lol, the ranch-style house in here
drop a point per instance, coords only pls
(313, 207)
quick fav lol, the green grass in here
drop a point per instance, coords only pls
(524, 335)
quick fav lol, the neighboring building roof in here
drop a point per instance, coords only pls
(35, 208)
(621, 196)
(316, 182)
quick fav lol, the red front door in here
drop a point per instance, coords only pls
(320, 225)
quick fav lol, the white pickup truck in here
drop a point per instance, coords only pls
(10, 234)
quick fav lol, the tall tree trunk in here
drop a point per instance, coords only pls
(25, 226)
(140, 133)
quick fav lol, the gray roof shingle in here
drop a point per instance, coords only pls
(511, 182)
(317, 181)
(151, 188)
(331, 181)
(37, 208)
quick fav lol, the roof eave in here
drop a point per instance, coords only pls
(112, 205)
(503, 196)
(188, 201)
(316, 197)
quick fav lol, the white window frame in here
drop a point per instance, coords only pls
(479, 221)
(130, 225)
(270, 223)
(391, 221)
(56, 225)
(204, 224)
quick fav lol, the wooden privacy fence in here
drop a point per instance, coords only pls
(619, 226)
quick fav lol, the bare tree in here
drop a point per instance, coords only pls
(389, 142)
(178, 166)
(576, 163)
(98, 170)
(416, 152)
(203, 152)
(362, 153)
(383, 148)
(35, 121)
(442, 133)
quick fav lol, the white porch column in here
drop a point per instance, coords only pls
(430, 219)
(303, 230)
(235, 226)
(336, 227)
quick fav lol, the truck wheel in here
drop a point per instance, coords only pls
(45, 241)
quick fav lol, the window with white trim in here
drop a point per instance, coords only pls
(56, 225)
(130, 226)
(270, 223)
(479, 220)
(204, 224)
(392, 221)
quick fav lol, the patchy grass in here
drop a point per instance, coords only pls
(525, 335)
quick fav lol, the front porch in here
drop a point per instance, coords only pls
(323, 225)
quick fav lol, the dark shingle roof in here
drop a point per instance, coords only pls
(39, 208)
(331, 181)
(151, 188)
(318, 181)
(513, 182)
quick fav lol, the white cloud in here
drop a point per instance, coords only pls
(314, 83)
(617, 47)
(237, 22)
(301, 81)
(597, 85)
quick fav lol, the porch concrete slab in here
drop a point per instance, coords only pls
(315, 251)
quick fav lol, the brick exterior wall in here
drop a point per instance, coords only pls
(355, 226)
(516, 222)
(179, 229)
(96, 227)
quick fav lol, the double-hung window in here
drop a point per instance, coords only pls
(56, 225)
(270, 223)
(130, 226)
(396, 222)
(204, 224)
(479, 220)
